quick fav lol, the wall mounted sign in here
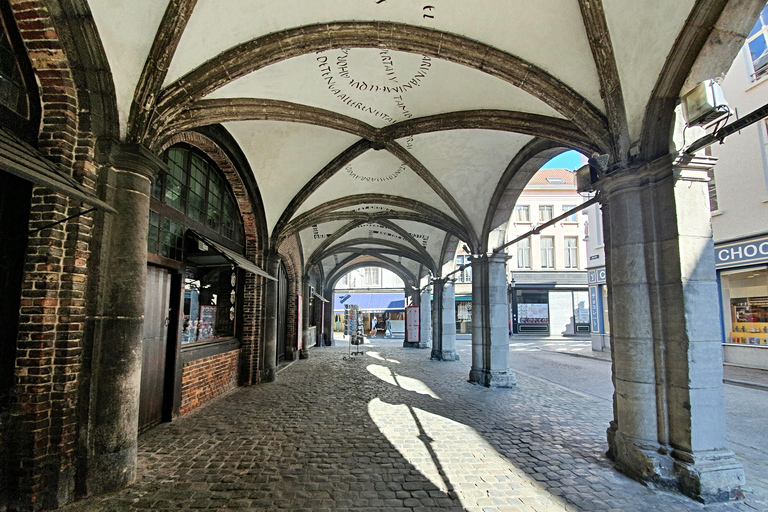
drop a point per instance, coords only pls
(744, 252)
(597, 275)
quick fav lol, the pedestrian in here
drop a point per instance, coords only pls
(373, 326)
(388, 329)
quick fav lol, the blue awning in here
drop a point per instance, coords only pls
(370, 302)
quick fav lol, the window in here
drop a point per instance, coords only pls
(524, 253)
(463, 276)
(555, 180)
(13, 91)
(571, 252)
(194, 187)
(372, 275)
(570, 218)
(758, 48)
(210, 295)
(522, 214)
(545, 213)
(547, 251)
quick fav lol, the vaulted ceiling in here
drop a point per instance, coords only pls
(393, 129)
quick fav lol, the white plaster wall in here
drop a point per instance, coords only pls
(740, 173)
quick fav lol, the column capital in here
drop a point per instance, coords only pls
(135, 158)
(679, 166)
(495, 257)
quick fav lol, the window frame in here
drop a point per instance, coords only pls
(523, 208)
(571, 218)
(571, 254)
(544, 208)
(754, 35)
(548, 258)
(523, 253)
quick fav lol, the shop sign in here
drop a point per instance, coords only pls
(412, 324)
(736, 254)
(597, 275)
(595, 308)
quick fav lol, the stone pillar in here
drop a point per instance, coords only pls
(306, 339)
(669, 417)
(115, 319)
(437, 315)
(447, 350)
(272, 261)
(425, 319)
(490, 327)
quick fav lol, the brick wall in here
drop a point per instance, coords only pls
(290, 252)
(49, 345)
(207, 378)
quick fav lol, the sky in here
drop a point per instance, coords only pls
(570, 160)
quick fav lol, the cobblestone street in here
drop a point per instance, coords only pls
(390, 430)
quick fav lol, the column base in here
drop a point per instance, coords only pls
(304, 353)
(491, 379)
(111, 471)
(411, 344)
(444, 355)
(425, 344)
(709, 477)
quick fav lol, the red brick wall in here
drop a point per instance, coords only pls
(207, 378)
(290, 252)
(53, 292)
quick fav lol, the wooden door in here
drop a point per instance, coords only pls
(154, 347)
(282, 312)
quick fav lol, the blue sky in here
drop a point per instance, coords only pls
(570, 160)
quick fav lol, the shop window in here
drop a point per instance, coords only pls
(750, 321)
(524, 253)
(210, 295)
(757, 45)
(571, 255)
(532, 310)
(522, 214)
(546, 213)
(463, 276)
(547, 252)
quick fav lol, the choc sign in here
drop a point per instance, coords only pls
(736, 254)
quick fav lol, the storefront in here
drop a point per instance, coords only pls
(600, 326)
(382, 306)
(549, 311)
(742, 273)
(463, 314)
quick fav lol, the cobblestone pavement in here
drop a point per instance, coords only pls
(389, 431)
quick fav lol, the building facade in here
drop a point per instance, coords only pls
(739, 197)
(548, 292)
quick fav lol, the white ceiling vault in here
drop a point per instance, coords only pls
(392, 129)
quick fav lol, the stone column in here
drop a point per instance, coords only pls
(490, 328)
(425, 319)
(447, 350)
(306, 339)
(272, 261)
(669, 417)
(115, 319)
(437, 315)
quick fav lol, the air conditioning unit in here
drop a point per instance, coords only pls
(704, 104)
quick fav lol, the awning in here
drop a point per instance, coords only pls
(22, 160)
(370, 302)
(228, 254)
